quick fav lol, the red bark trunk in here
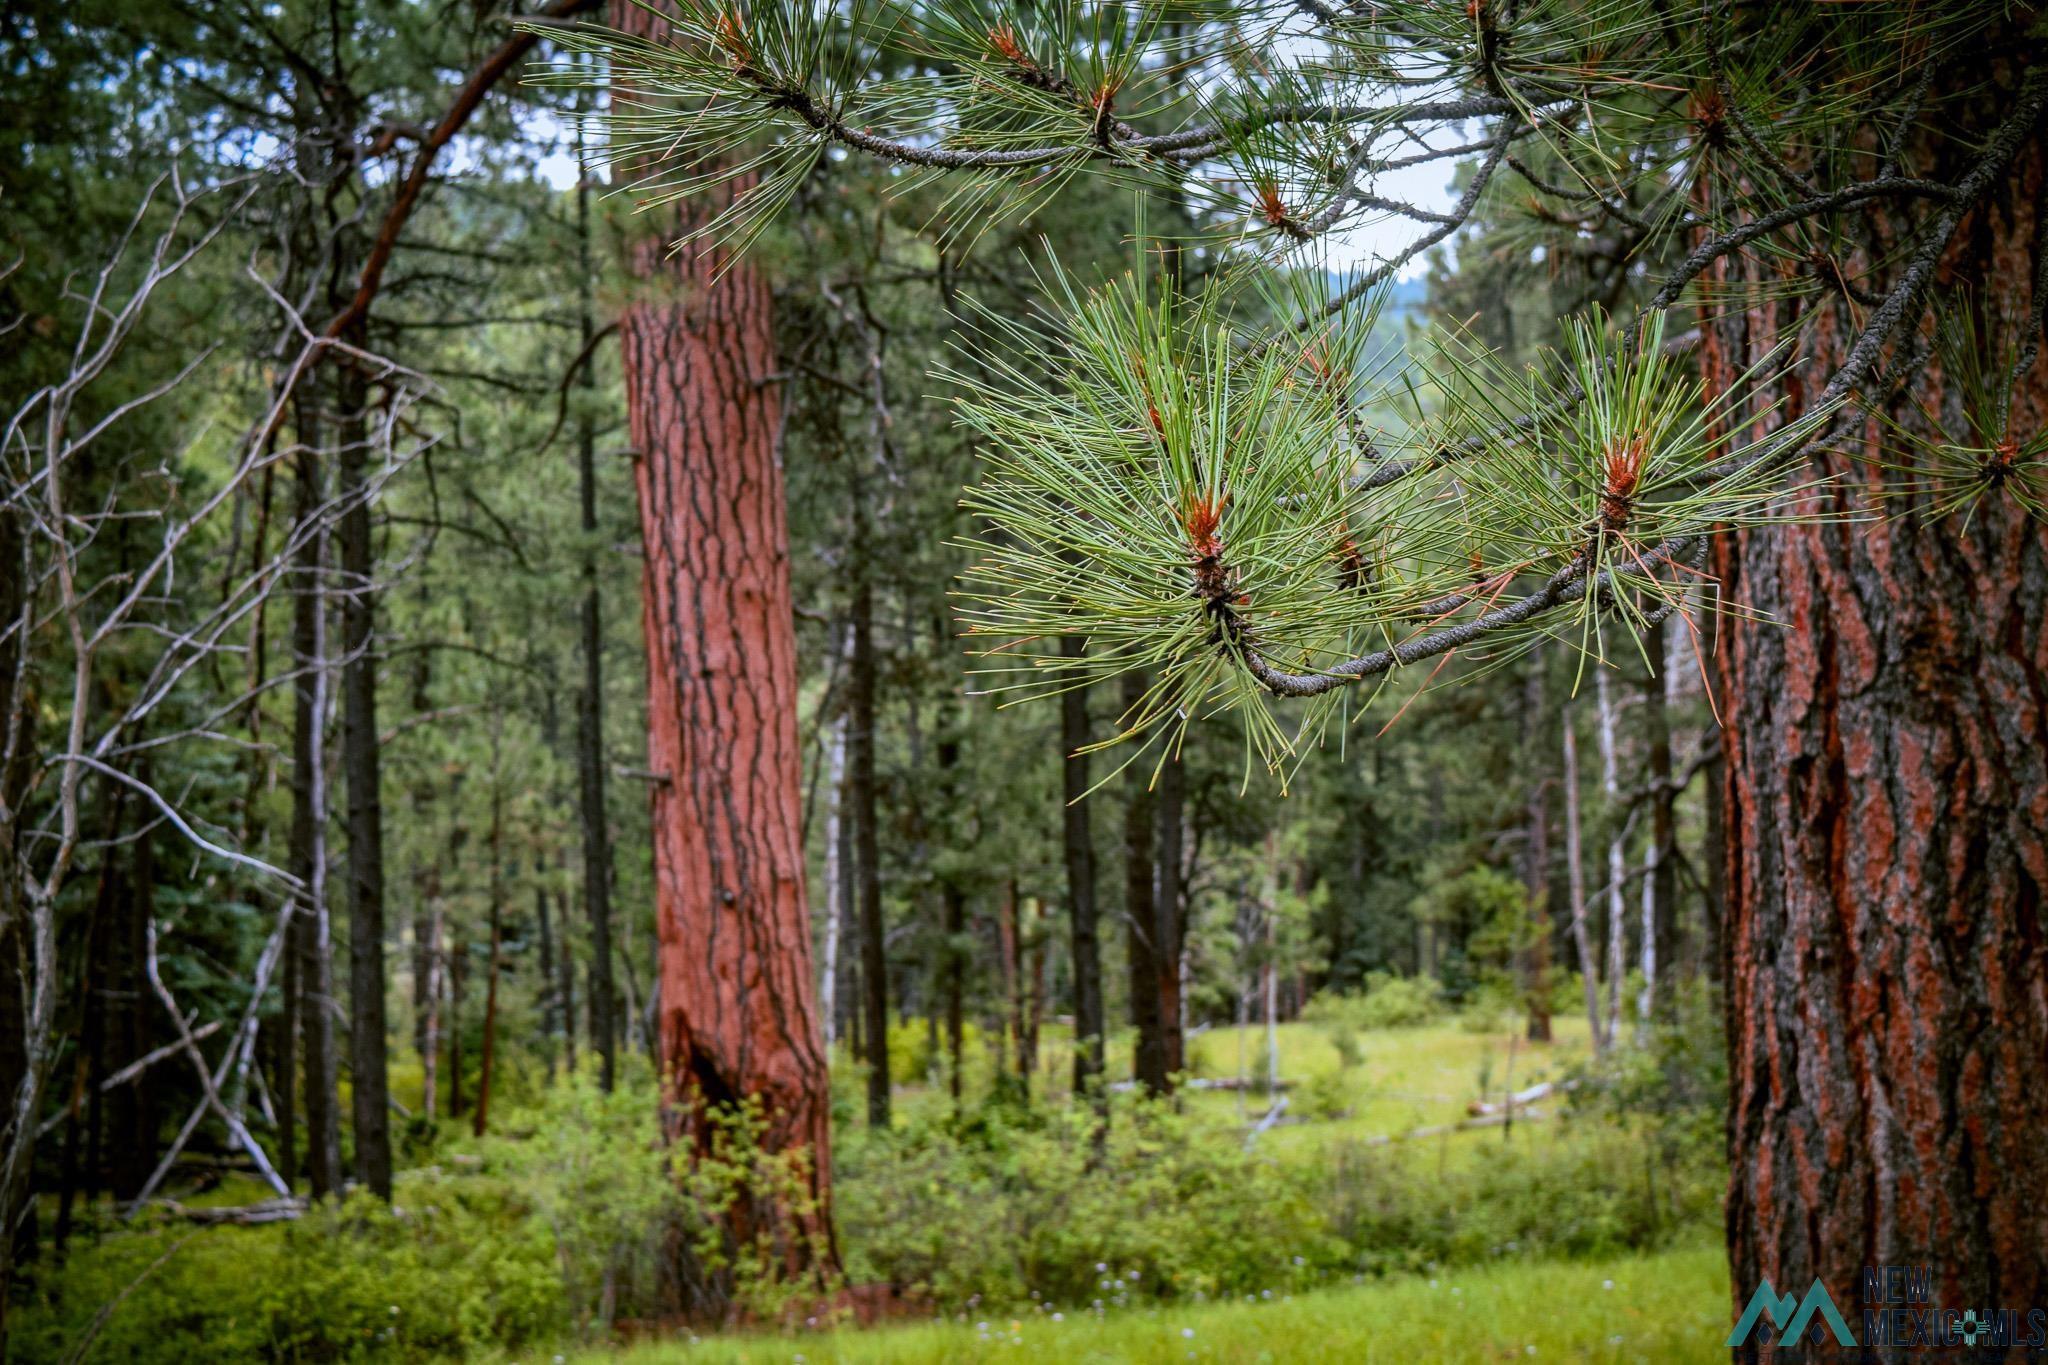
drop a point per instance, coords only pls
(1886, 813)
(737, 1016)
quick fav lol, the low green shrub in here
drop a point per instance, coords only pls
(1008, 1207)
(451, 1269)
(1387, 1002)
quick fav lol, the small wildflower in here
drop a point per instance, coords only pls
(1187, 1332)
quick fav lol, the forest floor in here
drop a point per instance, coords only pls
(1668, 1307)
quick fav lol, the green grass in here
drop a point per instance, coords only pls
(1668, 1308)
(1406, 1078)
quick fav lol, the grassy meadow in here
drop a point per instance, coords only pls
(1662, 1309)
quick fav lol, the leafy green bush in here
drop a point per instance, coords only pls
(590, 1168)
(1388, 1001)
(1675, 1085)
(1006, 1208)
(1560, 1189)
(450, 1270)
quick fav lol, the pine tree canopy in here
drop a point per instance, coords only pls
(1206, 468)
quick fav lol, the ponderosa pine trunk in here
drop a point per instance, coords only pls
(738, 1016)
(1886, 815)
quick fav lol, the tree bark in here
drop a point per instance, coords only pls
(362, 768)
(860, 793)
(1079, 838)
(311, 928)
(1171, 897)
(1660, 882)
(1617, 860)
(738, 1015)
(1142, 947)
(1574, 854)
(1009, 940)
(1535, 956)
(835, 901)
(1886, 812)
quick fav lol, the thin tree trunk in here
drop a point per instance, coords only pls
(860, 743)
(1142, 947)
(953, 899)
(311, 927)
(1008, 933)
(1660, 947)
(546, 986)
(458, 979)
(368, 1073)
(565, 989)
(1170, 898)
(1536, 856)
(1617, 860)
(1079, 838)
(1574, 853)
(737, 986)
(497, 895)
(835, 899)
(285, 1031)
(430, 1031)
(956, 979)
(590, 765)
(1034, 940)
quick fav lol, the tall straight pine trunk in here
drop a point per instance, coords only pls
(1885, 803)
(738, 1018)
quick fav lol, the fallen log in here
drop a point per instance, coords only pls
(1518, 1100)
(1463, 1125)
(242, 1215)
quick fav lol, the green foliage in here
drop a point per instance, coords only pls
(1181, 504)
(1676, 1084)
(1011, 1209)
(1387, 1002)
(593, 1175)
(1555, 1189)
(451, 1269)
